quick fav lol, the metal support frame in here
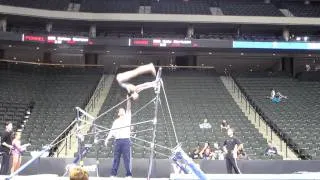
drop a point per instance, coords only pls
(45, 149)
(155, 119)
(78, 133)
(186, 164)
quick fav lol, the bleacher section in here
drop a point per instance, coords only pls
(55, 92)
(228, 7)
(248, 8)
(61, 5)
(179, 7)
(301, 10)
(12, 111)
(110, 6)
(297, 118)
(193, 96)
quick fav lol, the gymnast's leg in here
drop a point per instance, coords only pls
(126, 76)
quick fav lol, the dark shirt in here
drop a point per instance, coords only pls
(194, 155)
(230, 143)
(206, 156)
(224, 124)
(7, 138)
(271, 150)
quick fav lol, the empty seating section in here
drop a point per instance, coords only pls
(192, 96)
(12, 111)
(228, 7)
(40, 4)
(297, 117)
(302, 10)
(248, 8)
(180, 7)
(110, 6)
(55, 92)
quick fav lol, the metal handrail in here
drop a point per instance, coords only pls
(91, 104)
(251, 109)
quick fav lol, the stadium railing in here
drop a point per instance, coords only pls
(271, 131)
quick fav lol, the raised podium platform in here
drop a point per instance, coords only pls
(304, 176)
(252, 169)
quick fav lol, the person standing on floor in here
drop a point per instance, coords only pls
(5, 148)
(230, 147)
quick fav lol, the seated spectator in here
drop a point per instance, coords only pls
(206, 153)
(273, 93)
(195, 153)
(241, 154)
(224, 125)
(276, 97)
(271, 150)
(78, 173)
(217, 152)
(308, 67)
(205, 124)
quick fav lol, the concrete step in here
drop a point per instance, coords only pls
(101, 94)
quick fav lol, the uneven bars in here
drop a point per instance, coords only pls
(164, 147)
(85, 113)
(107, 130)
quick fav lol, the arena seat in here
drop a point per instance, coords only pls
(180, 7)
(55, 92)
(12, 111)
(302, 10)
(110, 6)
(297, 117)
(248, 8)
(193, 95)
(228, 7)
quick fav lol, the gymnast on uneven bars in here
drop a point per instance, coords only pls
(121, 126)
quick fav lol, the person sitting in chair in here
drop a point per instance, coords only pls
(276, 97)
(224, 125)
(271, 150)
(205, 124)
